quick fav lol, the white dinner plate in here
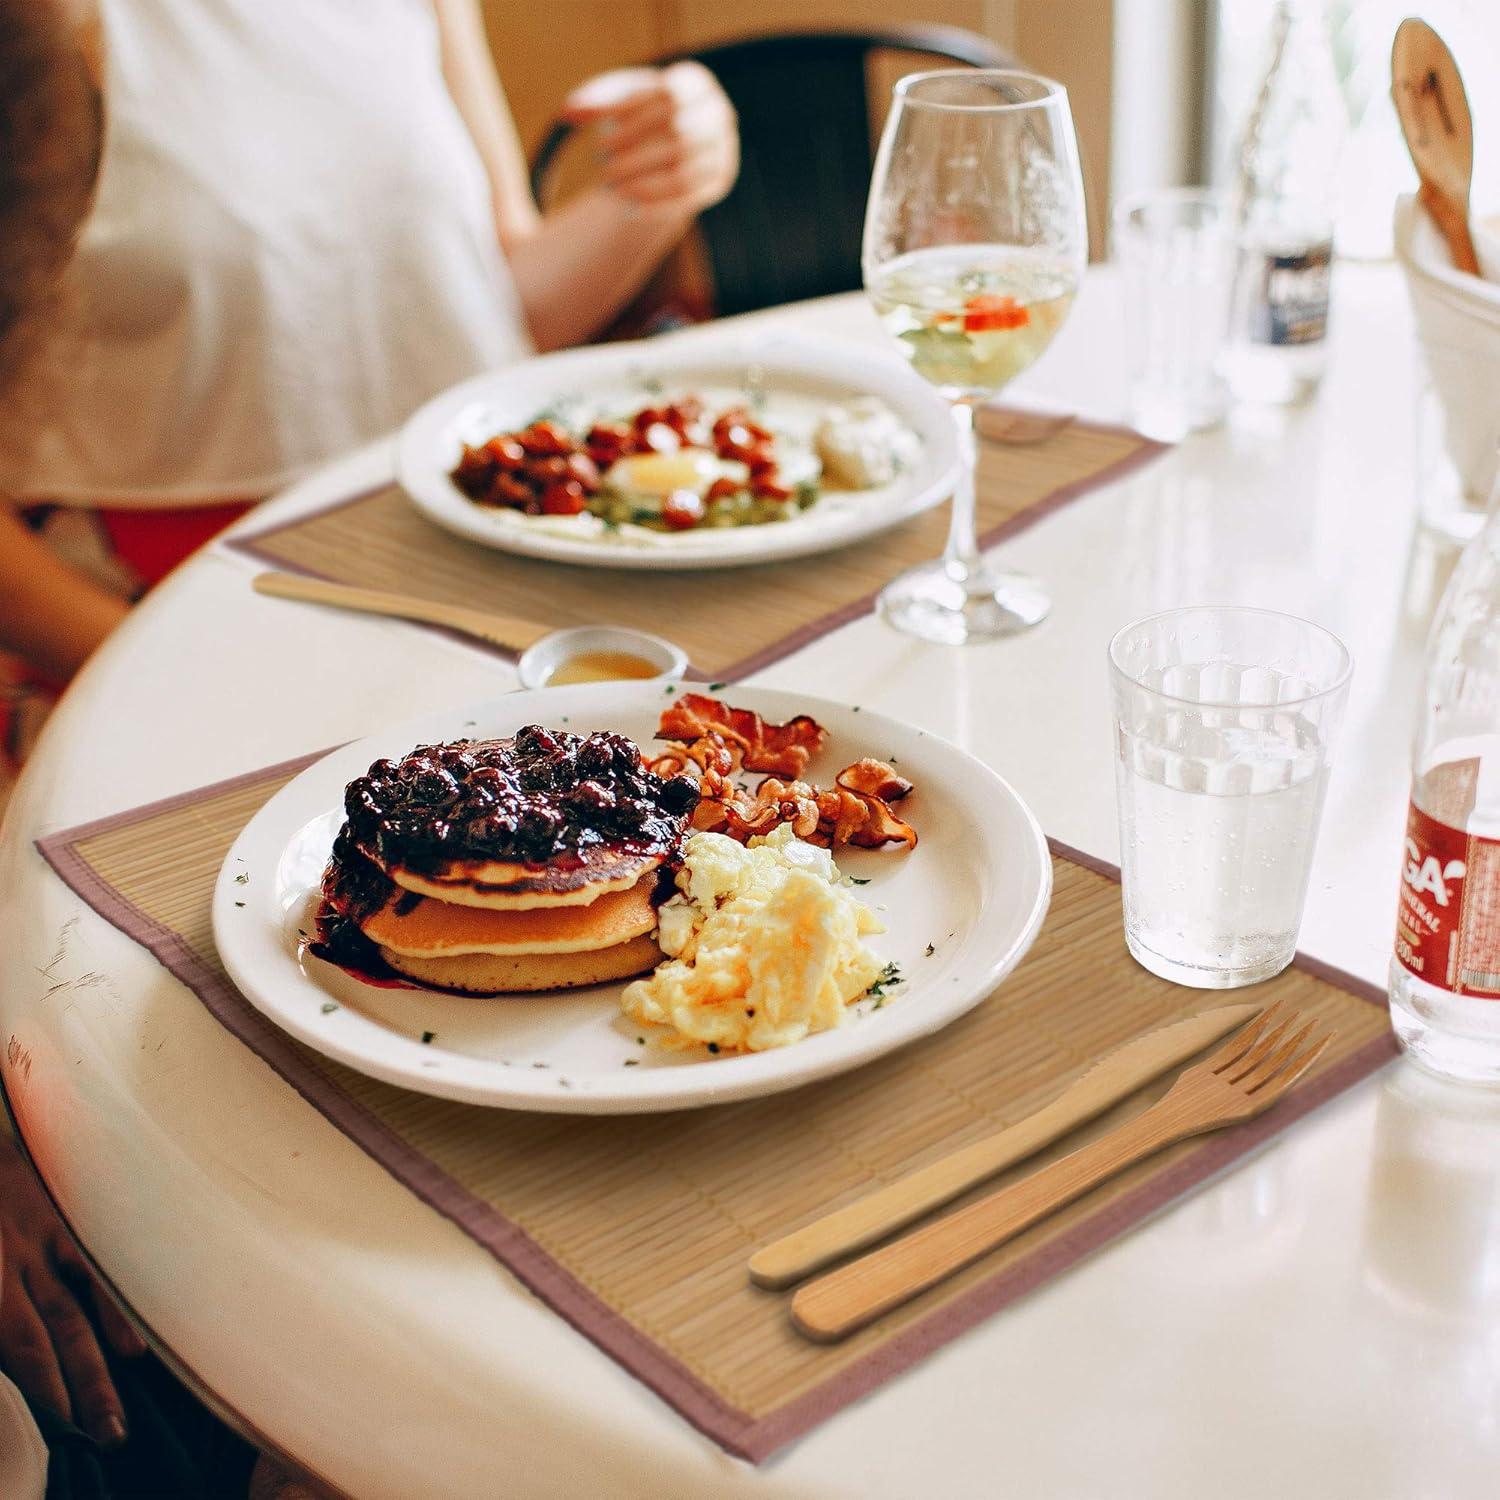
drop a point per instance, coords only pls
(797, 380)
(960, 910)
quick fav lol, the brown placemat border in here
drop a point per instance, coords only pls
(491, 1229)
(734, 1430)
(802, 635)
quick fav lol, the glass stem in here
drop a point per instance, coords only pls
(961, 557)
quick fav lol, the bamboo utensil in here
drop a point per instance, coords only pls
(1243, 1079)
(1434, 112)
(499, 630)
(880, 1213)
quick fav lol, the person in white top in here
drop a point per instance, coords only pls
(310, 216)
(238, 237)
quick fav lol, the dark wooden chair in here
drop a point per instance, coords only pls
(791, 226)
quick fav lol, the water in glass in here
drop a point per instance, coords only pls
(1222, 754)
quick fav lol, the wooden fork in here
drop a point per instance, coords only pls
(1244, 1078)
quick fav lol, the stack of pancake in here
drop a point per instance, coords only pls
(465, 879)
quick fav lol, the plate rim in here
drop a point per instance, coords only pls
(428, 489)
(421, 1069)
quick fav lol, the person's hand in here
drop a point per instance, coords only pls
(669, 134)
(47, 1344)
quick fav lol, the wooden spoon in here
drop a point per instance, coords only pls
(515, 635)
(1434, 112)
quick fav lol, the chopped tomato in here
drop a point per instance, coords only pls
(545, 439)
(565, 498)
(722, 489)
(505, 451)
(660, 438)
(682, 510)
(510, 491)
(988, 311)
(582, 468)
(770, 487)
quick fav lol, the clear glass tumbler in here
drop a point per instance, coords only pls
(1176, 254)
(1224, 726)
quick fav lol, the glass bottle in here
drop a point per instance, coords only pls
(1445, 974)
(1285, 197)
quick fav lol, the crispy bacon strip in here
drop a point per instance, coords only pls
(717, 740)
(777, 749)
(708, 754)
(876, 785)
(831, 817)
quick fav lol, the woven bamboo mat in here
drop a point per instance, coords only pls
(637, 1229)
(729, 623)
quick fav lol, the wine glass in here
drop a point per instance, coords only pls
(975, 242)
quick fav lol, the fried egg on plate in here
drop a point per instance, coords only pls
(646, 479)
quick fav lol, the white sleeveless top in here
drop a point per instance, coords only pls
(292, 247)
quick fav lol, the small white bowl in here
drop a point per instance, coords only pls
(539, 662)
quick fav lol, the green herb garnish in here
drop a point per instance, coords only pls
(890, 977)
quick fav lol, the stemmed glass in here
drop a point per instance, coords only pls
(975, 242)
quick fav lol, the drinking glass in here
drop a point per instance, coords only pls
(974, 246)
(1176, 252)
(1224, 727)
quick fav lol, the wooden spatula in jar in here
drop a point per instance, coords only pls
(1434, 113)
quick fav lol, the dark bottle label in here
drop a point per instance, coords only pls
(1290, 305)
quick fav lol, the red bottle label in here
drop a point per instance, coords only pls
(1448, 921)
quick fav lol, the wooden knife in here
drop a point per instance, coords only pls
(871, 1218)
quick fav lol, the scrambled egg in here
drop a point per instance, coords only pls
(764, 946)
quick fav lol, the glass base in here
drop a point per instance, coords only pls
(931, 603)
(1197, 977)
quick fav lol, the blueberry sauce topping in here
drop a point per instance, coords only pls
(546, 797)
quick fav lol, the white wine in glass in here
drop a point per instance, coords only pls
(975, 241)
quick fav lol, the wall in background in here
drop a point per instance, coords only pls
(1376, 165)
(543, 50)
(1160, 94)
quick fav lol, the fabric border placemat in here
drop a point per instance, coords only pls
(741, 1433)
(253, 545)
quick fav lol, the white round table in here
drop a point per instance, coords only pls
(1321, 1321)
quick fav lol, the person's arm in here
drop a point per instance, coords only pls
(671, 150)
(51, 615)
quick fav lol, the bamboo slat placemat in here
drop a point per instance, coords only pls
(637, 1229)
(729, 622)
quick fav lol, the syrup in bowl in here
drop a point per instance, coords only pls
(600, 653)
(601, 666)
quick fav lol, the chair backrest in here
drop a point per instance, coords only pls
(791, 227)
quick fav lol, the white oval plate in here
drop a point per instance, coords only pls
(974, 890)
(797, 378)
